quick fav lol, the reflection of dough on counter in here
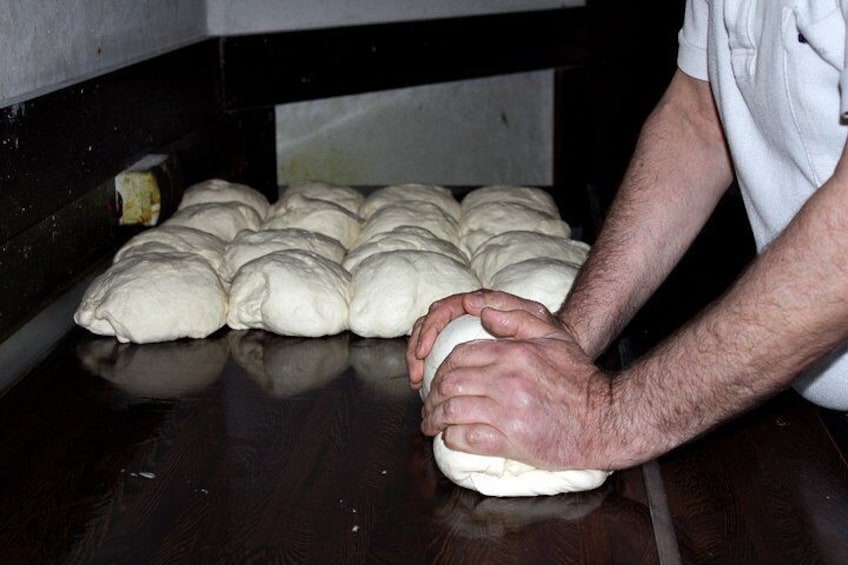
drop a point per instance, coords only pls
(411, 193)
(471, 515)
(318, 216)
(169, 239)
(391, 290)
(155, 297)
(155, 370)
(514, 246)
(421, 214)
(286, 366)
(222, 219)
(494, 476)
(528, 196)
(494, 218)
(217, 190)
(402, 238)
(543, 280)
(344, 196)
(248, 246)
(382, 363)
(292, 292)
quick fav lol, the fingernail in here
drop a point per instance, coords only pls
(475, 300)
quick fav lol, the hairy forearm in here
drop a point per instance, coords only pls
(786, 311)
(678, 172)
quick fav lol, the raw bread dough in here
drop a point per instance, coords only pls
(487, 220)
(319, 216)
(528, 196)
(248, 246)
(422, 214)
(156, 370)
(222, 219)
(406, 193)
(541, 279)
(391, 290)
(155, 297)
(402, 237)
(217, 190)
(294, 292)
(344, 196)
(514, 246)
(287, 366)
(494, 476)
(169, 239)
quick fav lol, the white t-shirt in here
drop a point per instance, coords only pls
(777, 71)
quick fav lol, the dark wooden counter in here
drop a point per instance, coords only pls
(252, 448)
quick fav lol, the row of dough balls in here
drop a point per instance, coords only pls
(325, 259)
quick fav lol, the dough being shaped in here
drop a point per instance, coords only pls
(344, 196)
(422, 214)
(156, 370)
(319, 216)
(248, 246)
(170, 239)
(543, 280)
(288, 366)
(407, 193)
(391, 290)
(515, 246)
(294, 292)
(494, 476)
(487, 220)
(217, 190)
(155, 297)
(222, 219)
(400, 238)
(528, 196)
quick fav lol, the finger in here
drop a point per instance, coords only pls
(440, 314)
(459, 410)
(518, 324)
(481, 439)
(476, 381)
(475, 302)
(414, 365)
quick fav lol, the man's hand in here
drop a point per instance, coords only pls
(441, 313)
(534, 396)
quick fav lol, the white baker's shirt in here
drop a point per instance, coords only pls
(777, 70)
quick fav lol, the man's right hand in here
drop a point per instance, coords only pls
(442, 312)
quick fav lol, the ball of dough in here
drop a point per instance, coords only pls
(528, 196)
(294, 292)
(541, 279)
(344, 196)
(248, 246)
(288, 366)
(155, 297)
(318, 216)
(421, 214)
(217, 190)
(391, 290)
(494, 218)
(494, 476)
(515, 246)
(400, 238)
(222, 219)
(170, 239)
(406, 193)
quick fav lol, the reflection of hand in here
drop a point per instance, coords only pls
(534, 397)
(382, 364)
(473, 515)
(441, 313)
(286, 366)
(155, 370)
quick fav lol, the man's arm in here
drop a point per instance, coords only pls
(679, 170)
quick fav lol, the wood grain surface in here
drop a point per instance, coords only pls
(253, 448)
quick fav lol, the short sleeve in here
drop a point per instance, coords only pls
(692, 40)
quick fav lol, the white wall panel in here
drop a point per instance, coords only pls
(494, 130)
